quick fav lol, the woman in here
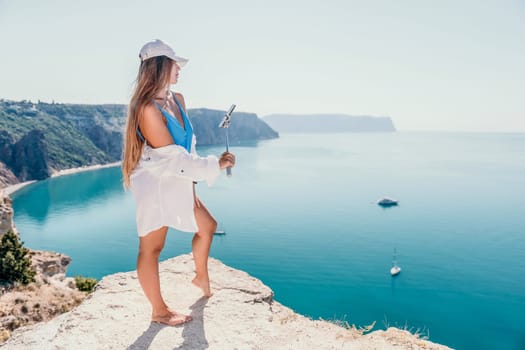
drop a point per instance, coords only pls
(160, 166)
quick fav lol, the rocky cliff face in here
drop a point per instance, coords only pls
(103, 125)
(6, 214)
(241, 314)
(26, 158)
(243, 127)
(29, 157)
(6, 176)
(50, 295)
(34, 143)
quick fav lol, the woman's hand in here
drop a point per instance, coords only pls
(226, 160)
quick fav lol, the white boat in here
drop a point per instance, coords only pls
(387, 202)
(395, 270)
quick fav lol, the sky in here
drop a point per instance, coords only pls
(429, 65)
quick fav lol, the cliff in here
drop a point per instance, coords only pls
(6, 176)
(243, 127)
(241, 314)
(6, 214)
(52, 292)
(40, 139)
(329, 123)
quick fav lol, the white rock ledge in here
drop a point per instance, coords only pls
(241, 314)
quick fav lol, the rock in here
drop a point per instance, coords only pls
(241, 314)
(6, 175)
(4, 335)
(50, 263)
(6, 214)
(36, 302)
(30, 158)
(6, 150)
(50, 295)
(7, 322)
(70, 283)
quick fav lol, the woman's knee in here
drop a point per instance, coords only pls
(150, 251)
(207, 225)
(213, 225)
(205, 221)
(153, 243)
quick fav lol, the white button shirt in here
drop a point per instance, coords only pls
(162, 185)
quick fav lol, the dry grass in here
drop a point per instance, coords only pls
(358, 330)
(35, 303)
(420, 333)
(353, 331)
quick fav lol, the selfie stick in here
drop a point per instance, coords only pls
(226, 124)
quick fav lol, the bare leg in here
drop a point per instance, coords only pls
(150, 247)
(201, 244)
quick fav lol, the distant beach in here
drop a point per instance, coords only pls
(8, 190)
(84, 168)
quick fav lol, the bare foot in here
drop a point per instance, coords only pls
(173, 312)
(172, 318)
(204, 284)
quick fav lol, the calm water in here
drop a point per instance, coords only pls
(300, 214)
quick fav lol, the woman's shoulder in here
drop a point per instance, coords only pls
(151, 111)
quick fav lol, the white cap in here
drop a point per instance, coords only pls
(158, 47)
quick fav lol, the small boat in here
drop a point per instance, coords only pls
(387, 202)
(219, 232)
(395, 270)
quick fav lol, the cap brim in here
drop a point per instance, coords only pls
(180, 60)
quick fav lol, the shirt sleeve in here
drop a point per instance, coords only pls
(193, 167)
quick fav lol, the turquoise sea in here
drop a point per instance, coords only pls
(300, 215)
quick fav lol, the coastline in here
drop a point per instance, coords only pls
(9, 190)
(84, 168)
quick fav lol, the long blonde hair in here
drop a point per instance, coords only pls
(153, 77)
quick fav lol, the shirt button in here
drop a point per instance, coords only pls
(181, 170)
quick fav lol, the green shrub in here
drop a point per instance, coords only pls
(85, 284)
(15, 263)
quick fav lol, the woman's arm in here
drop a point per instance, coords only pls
(153, 128)
(178, 162)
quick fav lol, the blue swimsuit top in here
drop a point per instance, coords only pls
(181, 135)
